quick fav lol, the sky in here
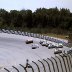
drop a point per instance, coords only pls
(34, 4)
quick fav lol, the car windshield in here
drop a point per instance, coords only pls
(56, 49)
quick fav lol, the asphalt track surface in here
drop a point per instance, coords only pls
(14, 50)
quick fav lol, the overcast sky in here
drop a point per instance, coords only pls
(34, 4)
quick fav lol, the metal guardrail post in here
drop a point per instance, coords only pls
(23, 67)
(48, 65)
(43, 65)
(31, 67)
(15, 68)
(6, 69)
(67, 63)
(36, 65)
(64, 62)
(71, 56)
(60, 62)
(56, 63)
(52, 64)
(70, 60)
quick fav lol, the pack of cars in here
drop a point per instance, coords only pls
(50, 45)
(57, 47)
(46, 44)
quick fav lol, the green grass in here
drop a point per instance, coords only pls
(56, 35)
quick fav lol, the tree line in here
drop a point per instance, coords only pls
(41, 20)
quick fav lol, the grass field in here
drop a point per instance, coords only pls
(57, 36)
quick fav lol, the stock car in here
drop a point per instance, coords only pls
(44, 43)
(28, 41)
(34, 46)
(50, 46)
(41, 41)
(57, 51)
(60, 45)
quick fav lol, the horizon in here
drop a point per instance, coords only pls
(34, 10)
(34, 4)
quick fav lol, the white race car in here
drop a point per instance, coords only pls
(29, 41)
(44, 43)
(34, 46)
(57, 51)
(60, 45)
(50, 46)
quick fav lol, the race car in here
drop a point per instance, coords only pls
(29, 41)
(34, 46)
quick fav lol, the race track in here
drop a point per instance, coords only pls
(14, 50)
